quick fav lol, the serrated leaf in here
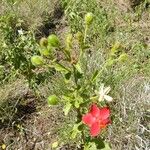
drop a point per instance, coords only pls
(67, 108)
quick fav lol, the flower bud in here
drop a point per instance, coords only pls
(53, 40)
(88, 18)
(52, 100)
(43, 42)
(37, 60)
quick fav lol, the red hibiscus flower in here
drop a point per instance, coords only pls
(96, 119)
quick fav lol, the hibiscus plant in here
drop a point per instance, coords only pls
(91, 108)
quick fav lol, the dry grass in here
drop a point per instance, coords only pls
(130, 129)
(130, 110)
(32, 12)
(11, 95)
(37, 132)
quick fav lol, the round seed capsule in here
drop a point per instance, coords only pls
(37, 60)
(53, 40)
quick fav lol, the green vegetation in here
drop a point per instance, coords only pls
(116, 53)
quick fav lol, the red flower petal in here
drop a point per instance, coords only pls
(95, 129)
(105, 122)
(95, 111)
(104, 113)
(88, 119)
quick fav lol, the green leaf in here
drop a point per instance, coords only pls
(67, 98)
(78, 102)
(61, 68)
(90, 146)
(67, 108)
(95, 75)
(78, 75)
(72, 15)
(107, 147)
(85, 47)
(100, 144)
(52, 100)
(75, 131)
(68, 76)
(78, 67)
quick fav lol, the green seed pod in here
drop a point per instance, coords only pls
(53, 40)
(43, 42)
(37, 60)
(123, 57)
(88, 18)
(52, 100)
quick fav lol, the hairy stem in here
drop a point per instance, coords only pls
(85, 33)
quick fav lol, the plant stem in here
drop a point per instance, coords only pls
(75, 78)
(85, 33)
